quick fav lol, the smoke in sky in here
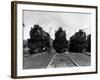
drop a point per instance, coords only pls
(50, 21)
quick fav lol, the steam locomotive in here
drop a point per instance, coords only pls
(60, 43)
(77, 42)
(39, 40)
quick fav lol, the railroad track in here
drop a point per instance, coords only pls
(87, 54)
(65, 59)
(51, 60)
(36, 54)
(75, 63)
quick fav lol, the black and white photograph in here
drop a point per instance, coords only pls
(55, 39)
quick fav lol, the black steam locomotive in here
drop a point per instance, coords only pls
(39, 40)
(77, 42)
(60, 43)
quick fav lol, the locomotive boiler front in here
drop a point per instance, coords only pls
(39, 40)
(77, 42)
(60, 43)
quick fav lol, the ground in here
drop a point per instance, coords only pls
(53, 60)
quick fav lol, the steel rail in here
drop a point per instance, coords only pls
(75, 63)
(51, 61)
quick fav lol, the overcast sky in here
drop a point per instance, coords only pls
(50, 21)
